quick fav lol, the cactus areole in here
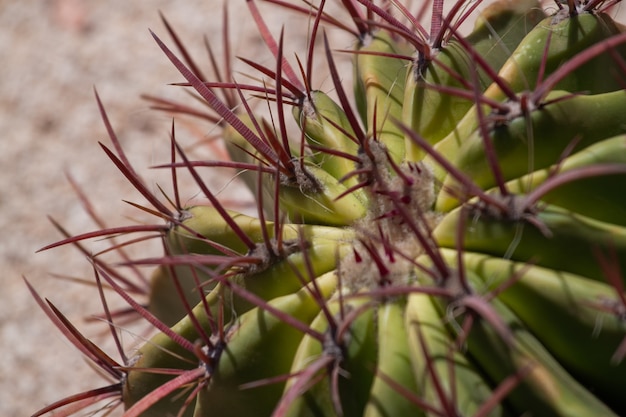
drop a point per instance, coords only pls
(444, 237)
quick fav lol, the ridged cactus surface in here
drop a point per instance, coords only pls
(444, 237)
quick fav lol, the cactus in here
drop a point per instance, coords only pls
(449, 241)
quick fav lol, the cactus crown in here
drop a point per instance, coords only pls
(445, 240)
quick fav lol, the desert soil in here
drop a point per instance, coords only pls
(54, 52)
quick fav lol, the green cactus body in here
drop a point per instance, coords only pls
(435, 114)
(455, 245)
(565, 37)
(379, 88)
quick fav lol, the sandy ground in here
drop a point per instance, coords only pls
(53, 53)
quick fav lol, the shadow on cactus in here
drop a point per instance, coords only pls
(447, 239)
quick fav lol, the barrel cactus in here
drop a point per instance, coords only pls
(447, 239)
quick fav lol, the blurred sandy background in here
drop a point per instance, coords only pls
(52, 54)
